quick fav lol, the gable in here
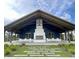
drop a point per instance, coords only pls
(29, 19)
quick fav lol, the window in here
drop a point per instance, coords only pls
(28, 35)
(50, 35)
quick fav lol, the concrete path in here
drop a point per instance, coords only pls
(39, 57)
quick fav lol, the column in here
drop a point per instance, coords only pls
(11, 37)
(15, 36)
(7, 35)
(73, 34)
(65, 35)
(69, 36)
(60, 36)
(4, 35)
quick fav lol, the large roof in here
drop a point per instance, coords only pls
(56, 21)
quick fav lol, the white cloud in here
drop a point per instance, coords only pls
(46, 4)
(66, 16)
(66, 4)
(56, 6)
(53, 5)
(13, 14)
(9, 13)
(23, 7)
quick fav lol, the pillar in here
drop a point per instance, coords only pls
(15, 36)
(4, 35)
(69, 36)
(11, 36)
(63, 35)
(73, 33)
(7, 35)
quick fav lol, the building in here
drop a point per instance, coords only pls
(40, 26)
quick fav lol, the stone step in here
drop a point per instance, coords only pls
(52, 55)
(35, 55)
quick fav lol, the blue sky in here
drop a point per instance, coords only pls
(15, 9)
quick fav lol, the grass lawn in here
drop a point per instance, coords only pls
(64, 50)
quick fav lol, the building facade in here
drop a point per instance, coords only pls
(40, 26)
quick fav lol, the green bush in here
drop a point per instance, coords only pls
(61, 45)
(9, 48)
(73, 45)
(6, 45)
(7, 51)
(13, 47)
(22, 45)
(71, 50)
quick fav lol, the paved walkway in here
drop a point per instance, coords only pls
(39, 58)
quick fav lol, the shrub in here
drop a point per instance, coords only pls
(13, 47)
(71, 51)
(72, 45)
(70, 48)
(22, 45)
(6, 45)
(61, 45)
(7, 51)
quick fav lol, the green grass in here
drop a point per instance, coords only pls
(66, 50)
(20, 50)
(14, 49)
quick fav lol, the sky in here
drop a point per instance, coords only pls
(15, 9)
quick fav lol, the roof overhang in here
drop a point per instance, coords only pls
(53, 20)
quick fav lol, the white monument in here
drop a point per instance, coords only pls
(39, 34)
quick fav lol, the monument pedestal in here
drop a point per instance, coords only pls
(39, 35)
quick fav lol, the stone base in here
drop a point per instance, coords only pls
(39, 40)
(17, 42)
